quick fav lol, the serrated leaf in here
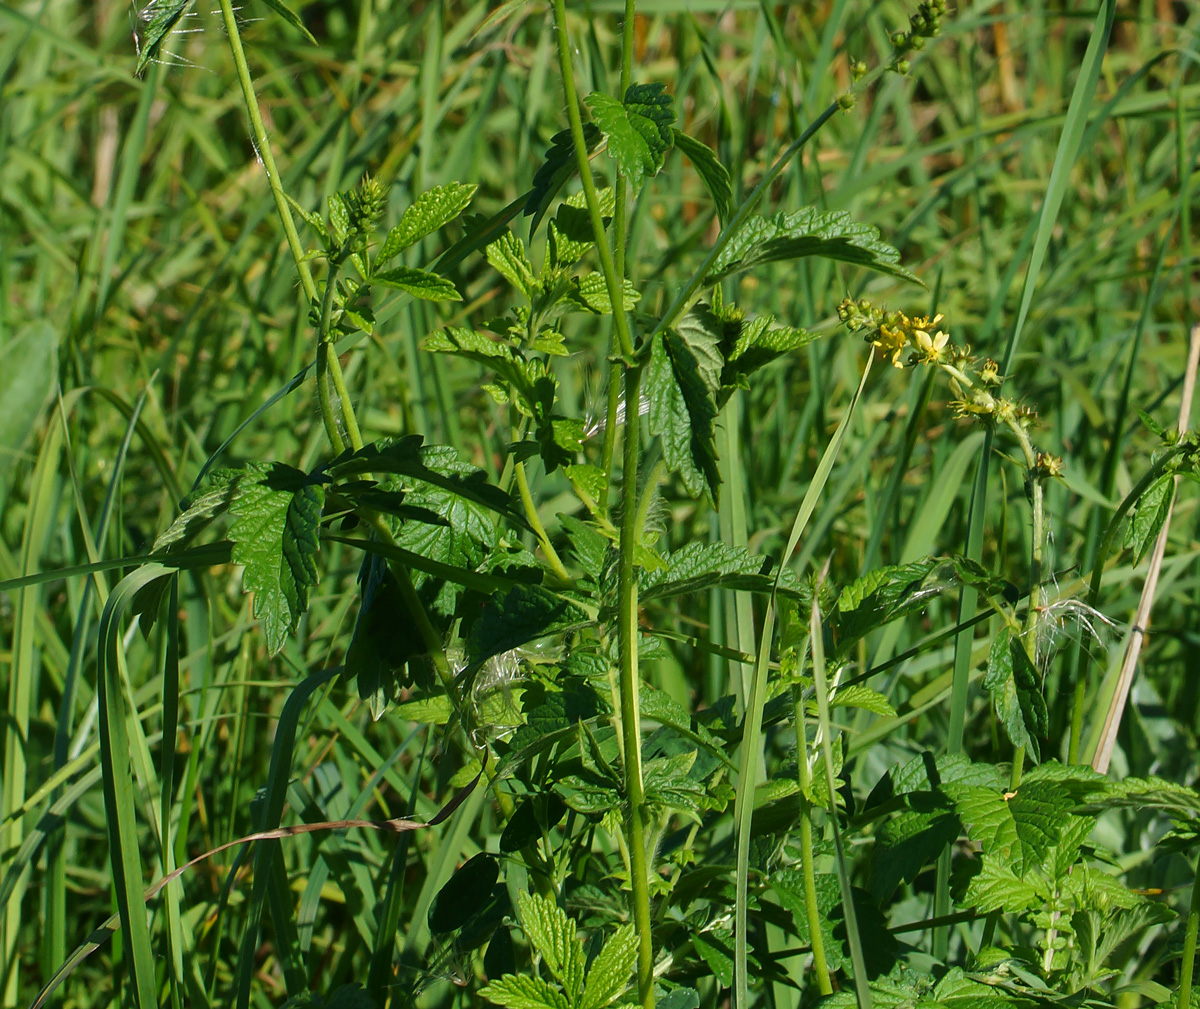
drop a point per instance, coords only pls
(1149, 516)
(1021, 829)
(681, 383)
(560, 165)
(999, 681)
(431, 210)
(549, 341)
(508, 258)
(757, 346)
(291, 17)
(164, 16)
(910, 841)
(668, 783)
(879, 597)
(608, 976)
(1176, 800)
(858, 695)
(418, 283)
(1153, 426)
(591, 293)
(997, 888)
(339, 217)
(698, 565)
(525, 613)
(712, 173)
(807, 232)
(638, 129)
(276, 519)
(554, 936)
(522, 991)
(1029, 690)
(199, 513)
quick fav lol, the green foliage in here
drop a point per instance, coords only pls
(494, 644)
(276, 517)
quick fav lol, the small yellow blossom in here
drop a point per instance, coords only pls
(989, 372)
(1047, 465)
(891, 341)
(975, 403)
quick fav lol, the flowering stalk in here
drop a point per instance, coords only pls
(976, 386)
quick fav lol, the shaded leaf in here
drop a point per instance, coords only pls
(291, 17)
(560, 165)
(276, 519)
(712, 173)
(1149, 516)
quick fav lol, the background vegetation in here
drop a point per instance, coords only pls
(149, 308)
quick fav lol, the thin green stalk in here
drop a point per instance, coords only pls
(1188, 964)
(804, 779)
(627, 631)
(612, 278)
(263, 147)
(539, 530)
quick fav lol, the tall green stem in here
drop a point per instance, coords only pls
(630, 682)
(1189, 946)
(804, 779)
(263, 146)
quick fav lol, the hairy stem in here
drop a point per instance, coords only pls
(608, 266)
(630, 682)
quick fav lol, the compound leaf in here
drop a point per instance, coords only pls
(418, 283)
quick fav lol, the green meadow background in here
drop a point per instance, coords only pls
(149, 307)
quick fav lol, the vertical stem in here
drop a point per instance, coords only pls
(630, 682)
(263, 146)
(804, 779)
(1188, 963)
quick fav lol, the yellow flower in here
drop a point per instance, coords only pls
(930, 349)
(891, 341)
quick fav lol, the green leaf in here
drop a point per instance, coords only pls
(669, 784)
(291, 17)
(199, 513)
(1000, 682)
(681, 383)
(571, 232)
(526, 613)
(807, 232)
(276, 518)
(1029, 690)
(560, 165)
(858, 695)
(418, 283)
(26, 382)
(1149, 516)
(166, 14)
(1021, 829)
(995, 887)
(508, 258)
(698, 565)
(432, 210)
(879, 597)
(712, 173)
(608, 976)
(908, 842)
(554, 936)
(757, 346)
(638, 130)
(464, 894)
(522, 991)
(591, 292)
